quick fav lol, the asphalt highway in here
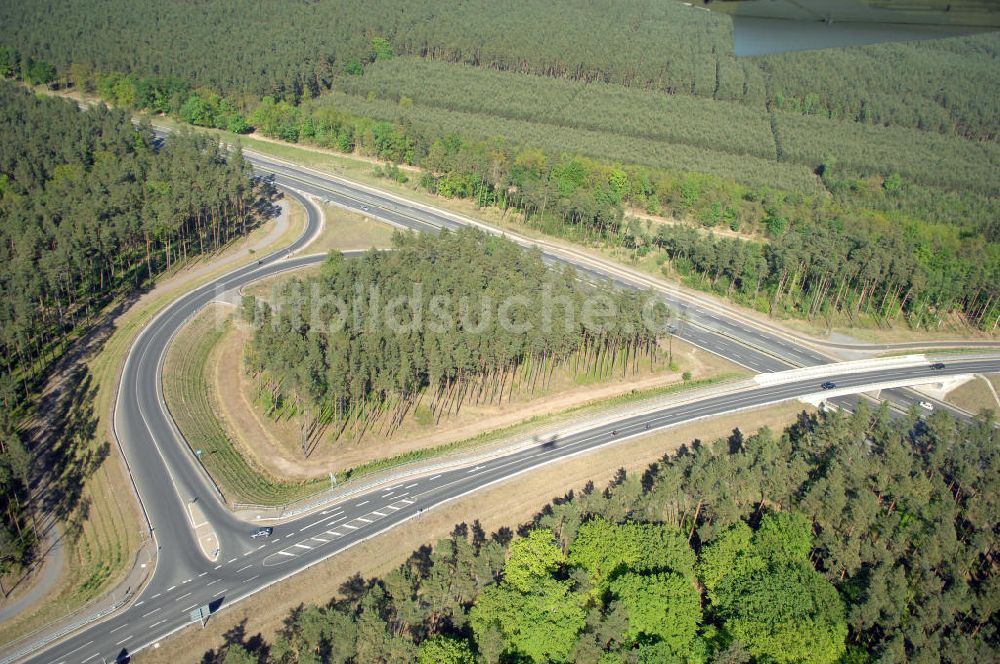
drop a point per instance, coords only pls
(168, 477)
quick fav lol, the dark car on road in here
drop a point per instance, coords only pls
(828, 385)
(937, 366)
(263, 531)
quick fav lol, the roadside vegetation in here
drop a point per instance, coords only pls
(90, 216)
(811, 545)
(189, 401)
(437, 322)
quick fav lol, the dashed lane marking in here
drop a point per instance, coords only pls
(379, 513)
(363, 502)
(152, 612)
(122, 626)
(303, 546)
(80, 648)
(434, 478)
(347, 525)
(285, 553)
(361, 518)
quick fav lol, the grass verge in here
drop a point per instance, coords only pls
(185, 389)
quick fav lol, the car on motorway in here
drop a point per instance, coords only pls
(937, 366)
(926, 405)
(263, 531)
(828, 385)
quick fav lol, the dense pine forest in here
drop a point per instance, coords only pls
(869, 153)
(847, 538)
(90, 210)
(436, 322)
(292, 49)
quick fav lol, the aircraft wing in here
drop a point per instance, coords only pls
(776, 26)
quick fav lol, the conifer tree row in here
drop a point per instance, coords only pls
(441, 319)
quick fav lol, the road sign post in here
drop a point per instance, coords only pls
(201, 615)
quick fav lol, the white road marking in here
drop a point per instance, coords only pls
(386, 495)
(315, 523)
(363, 502)
(172, 587)
(408, 501)
(347, 525)
(475, 469)
(334, 533)
(112, 631)
(252, 578)
(303, 546)
(80, 648)
(140, 603)
(243, 569)
(182, 597)
(159, 622)
(124, 640)
(285, 553)
(211, 582)
(232, 561)
(379, 513)
(183, 611)
(151, 612)
(320, 539)
(393, 508)
(156, 595)
(410, 486)
(361, 518)
(90, 658)
(247, 554)
(187, 581)
(434, 478)
(202, 574)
